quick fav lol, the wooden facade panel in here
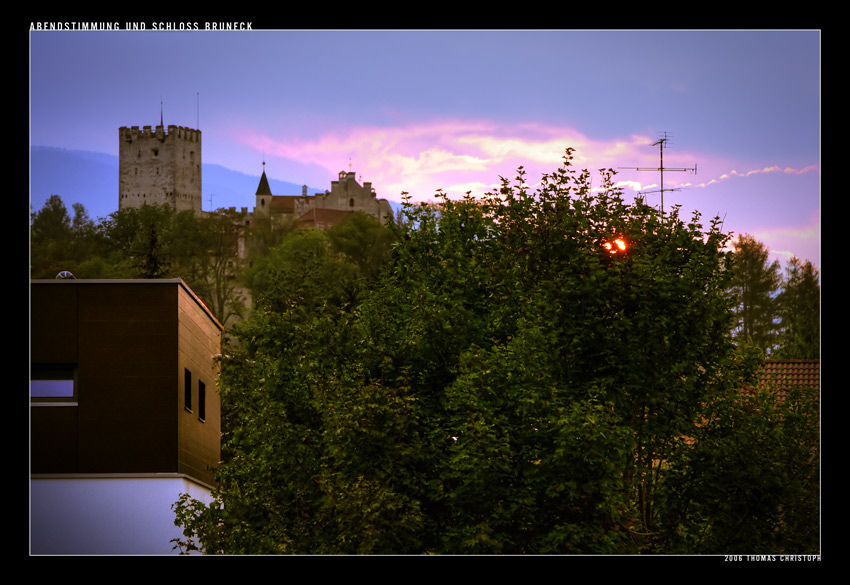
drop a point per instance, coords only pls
(199, 340)
(53, 324)
(54, 449)
(130, 342)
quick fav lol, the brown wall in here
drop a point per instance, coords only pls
(122, 336)
(199, 442)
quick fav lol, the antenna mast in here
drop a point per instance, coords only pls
(661, 143)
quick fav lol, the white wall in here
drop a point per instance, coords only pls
(104, 515)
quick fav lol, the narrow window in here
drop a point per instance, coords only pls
(202, 401)
(187, 390)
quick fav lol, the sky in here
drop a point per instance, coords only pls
(419, 110)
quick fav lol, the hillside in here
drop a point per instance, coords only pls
(91, 178)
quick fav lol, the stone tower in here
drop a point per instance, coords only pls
(159, 167)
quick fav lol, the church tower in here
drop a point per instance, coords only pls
(159, 167)
(263, 195)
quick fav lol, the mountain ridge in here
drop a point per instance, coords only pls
(91, 178)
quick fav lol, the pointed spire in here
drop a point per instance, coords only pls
(263, 188)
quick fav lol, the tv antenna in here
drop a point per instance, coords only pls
(661, 143)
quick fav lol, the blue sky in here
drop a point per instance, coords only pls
(417, 111)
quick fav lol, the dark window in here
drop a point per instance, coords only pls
(202, 401)
(53, 384)
(187, 390)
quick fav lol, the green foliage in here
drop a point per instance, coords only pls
(148, 242)
(205, 250)
(51, 240)
(141, 238)
(51, 222)
(799, 311)
(755, 285)
(363, 240)
(750, 482)
(502, 383)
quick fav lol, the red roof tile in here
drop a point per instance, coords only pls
(283, 203)
(786, 374)
(324, 218)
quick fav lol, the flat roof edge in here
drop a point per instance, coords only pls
(142, 281)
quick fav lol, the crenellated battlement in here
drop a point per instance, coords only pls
(183, 133)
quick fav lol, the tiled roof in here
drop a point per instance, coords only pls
(282, 203)
(322, 217)
(786, 374)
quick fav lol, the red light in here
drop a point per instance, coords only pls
(618, 245)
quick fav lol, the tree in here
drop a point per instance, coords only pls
(206, 254)
(52, 222)
(799, 312)
(139, 239)
(50, 232)
(508, 382)
(57, 243)
(755, 285)
(82, 224)
(727, 500)
(363, 240)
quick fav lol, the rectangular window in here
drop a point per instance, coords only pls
(187, 390)
(202, 401)
(53, 384)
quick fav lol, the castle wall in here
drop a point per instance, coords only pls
(159, 167)
(346, 194)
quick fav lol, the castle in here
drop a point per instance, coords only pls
(164, 168)
(324, 209)
(159, 168)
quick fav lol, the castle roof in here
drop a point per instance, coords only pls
(321, 217)
(263, 188)
(283, 203)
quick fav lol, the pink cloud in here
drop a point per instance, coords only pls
(455, 156)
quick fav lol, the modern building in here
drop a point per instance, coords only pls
(124, 413)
